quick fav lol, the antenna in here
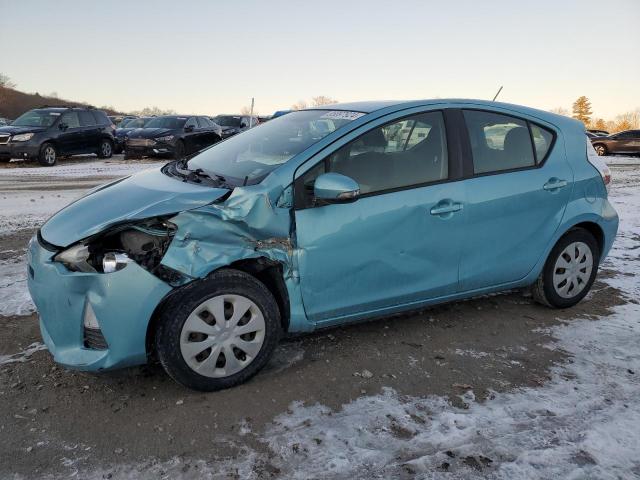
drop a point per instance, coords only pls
(499, 90)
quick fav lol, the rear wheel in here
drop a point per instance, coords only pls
(48, 155)
(600, 149)
(105, 150)
(569, 271)
(218, 332)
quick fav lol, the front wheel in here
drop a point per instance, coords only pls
(48, 155)
(218, 332)
(569, 271)
(105, 150)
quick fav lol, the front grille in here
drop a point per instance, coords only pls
(140, 142)
(94, 339)
(4, 139)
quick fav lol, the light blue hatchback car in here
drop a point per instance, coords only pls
(318, 218)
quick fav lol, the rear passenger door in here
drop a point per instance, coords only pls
(90, 138)
(519, 185)
(399, 242)
(207, 134)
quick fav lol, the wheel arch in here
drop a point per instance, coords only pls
(266, 271)
(591, 227)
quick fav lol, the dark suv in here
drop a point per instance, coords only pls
(625, 143)
(172, 136)
(48, 133)
(232, 124)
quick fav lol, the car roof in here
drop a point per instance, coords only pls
(396, 105)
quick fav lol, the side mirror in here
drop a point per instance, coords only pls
(63, 126)
(244, 124)
(188, 128)
(336, 188)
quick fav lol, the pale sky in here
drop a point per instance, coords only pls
(213, 56)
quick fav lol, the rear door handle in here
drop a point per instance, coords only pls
(444, 208)
(554, 184)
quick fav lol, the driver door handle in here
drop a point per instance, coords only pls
(445, 208)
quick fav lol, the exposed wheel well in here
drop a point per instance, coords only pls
(594, 229)
(266, 271)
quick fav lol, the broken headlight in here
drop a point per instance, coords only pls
(144, 243)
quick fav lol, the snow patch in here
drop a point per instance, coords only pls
(14, 295)
(23, 356)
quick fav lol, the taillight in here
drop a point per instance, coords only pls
(597, 162)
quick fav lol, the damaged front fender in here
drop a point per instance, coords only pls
(246, 226)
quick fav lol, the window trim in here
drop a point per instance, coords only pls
(454, 159)
(466, 141)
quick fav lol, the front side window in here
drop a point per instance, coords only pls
(498, 142)
(259, 151)
(408, 152)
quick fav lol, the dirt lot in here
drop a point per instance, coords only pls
(137, 423)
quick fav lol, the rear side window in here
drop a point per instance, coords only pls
(498, 142)
(101, 117)
(542, 140)
(86, 119)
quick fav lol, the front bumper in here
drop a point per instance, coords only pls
(123, 303)
(24, 150)
(158, 149)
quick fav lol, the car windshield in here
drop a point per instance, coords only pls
(167, 122)
(36, 118)
(228, 120)
(255, 153)
(135, 123)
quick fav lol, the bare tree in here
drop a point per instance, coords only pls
(322, 100)
(151, 111)
(6, 82)
(299, 105)
(246, 111)
(560, 111)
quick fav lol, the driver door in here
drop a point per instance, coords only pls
(399, 242)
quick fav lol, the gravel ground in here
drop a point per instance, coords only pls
(461, 390)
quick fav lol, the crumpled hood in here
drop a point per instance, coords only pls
(146, 194)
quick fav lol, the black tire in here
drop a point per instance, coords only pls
(48, 155)
(105, 149)
(601, 149)
(544, 291)
(182, 304)
(179, 150)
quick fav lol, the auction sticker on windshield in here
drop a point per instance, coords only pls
(340, 115)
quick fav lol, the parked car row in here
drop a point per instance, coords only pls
(45, 134)
(625, 143)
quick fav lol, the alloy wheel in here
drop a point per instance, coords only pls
(50, 155)
(572, 269)
(106, 149)
(222, 336)
(600, 150)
